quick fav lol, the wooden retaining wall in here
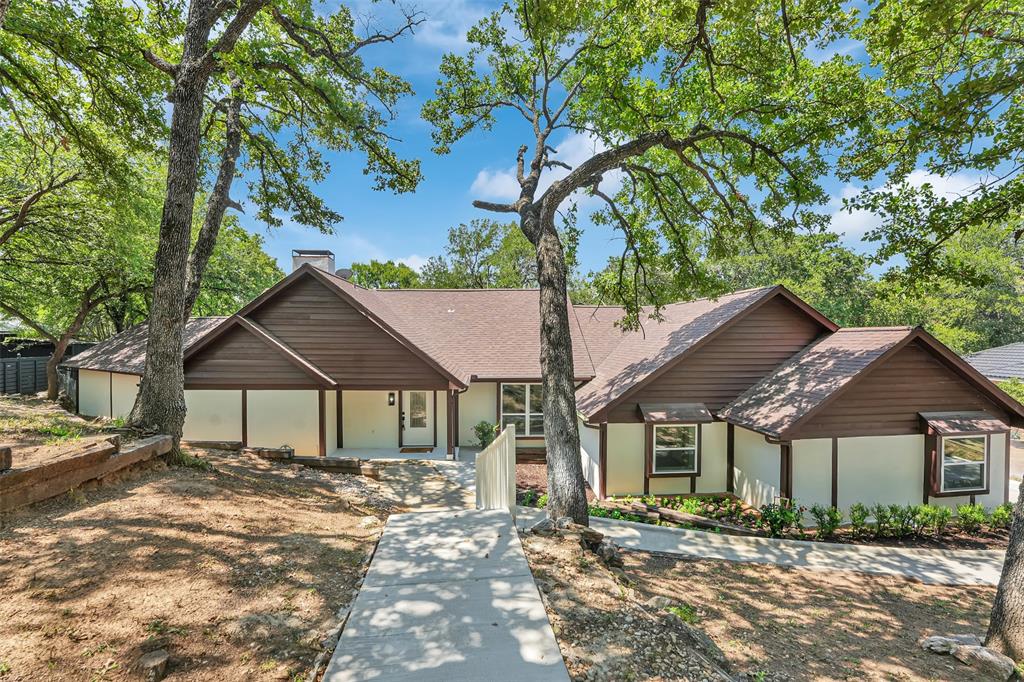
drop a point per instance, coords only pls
(19, 487)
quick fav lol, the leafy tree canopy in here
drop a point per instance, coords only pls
(385, 275)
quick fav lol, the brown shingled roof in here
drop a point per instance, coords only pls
(126, 352)
(640, 354)
(799, 386)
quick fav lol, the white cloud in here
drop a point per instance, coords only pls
(447, 24)
(415, 261)
(853, 225)
(502, 185)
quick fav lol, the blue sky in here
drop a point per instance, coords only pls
(412, 227)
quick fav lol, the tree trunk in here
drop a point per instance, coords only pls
(160, 405)
(1006, 625)
(219, 201)
(566, 488)
(59, 349)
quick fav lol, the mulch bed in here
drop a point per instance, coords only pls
(534, 476)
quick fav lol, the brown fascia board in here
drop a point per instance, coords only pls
(777, 290)
(944, 354)
(413, 348)
(289, 354)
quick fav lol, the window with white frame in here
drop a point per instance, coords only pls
(964, 463)
(523, 405)
(675, 449)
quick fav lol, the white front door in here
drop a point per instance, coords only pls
(417, 418)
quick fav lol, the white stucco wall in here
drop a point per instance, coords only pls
(713, 459)
(812, 471)
(213, 415)
(125, 389)
(625, 459)
(880, 470)
(369, 421)
(279, 418)
(590, 456)
(478, 404)
(441, 419)
(757, 467)
(331, 419)
(93, 393)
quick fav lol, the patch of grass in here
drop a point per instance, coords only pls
(5, 668)
(190, 461)
(159, 628)
(685, 613)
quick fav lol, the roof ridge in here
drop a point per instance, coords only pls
(473, 289)
(888, 328)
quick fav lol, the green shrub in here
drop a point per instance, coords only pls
(883, 520)
(924, 517)
(1002, 516)
(970, 517)
(528, 498)
(779, 517)
(902, 519)
(859, 518)
(827, 519)
(943, 515)
(485, 433)
(542, 501)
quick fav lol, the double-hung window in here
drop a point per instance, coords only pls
(675, 449)
(523, 405)
(964, 463)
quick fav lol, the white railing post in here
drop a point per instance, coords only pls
(496, 473)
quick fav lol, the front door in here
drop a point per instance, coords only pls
(417, 418)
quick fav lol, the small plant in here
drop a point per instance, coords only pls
(485, 433)
(542, 501)
(650, 500)
(924, 517)
(779, 517)
(859, 518)
(827, 519)
(1002, 516)
(883, 520)
(970, 517)
(685, 613)
(943, 515)
(528, 498)
(902, 518)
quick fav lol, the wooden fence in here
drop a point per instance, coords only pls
(496, 473)
(23, 375)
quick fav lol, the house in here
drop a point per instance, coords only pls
(1002, 363)
(754, 393)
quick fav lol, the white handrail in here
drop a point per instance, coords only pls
(496, 473)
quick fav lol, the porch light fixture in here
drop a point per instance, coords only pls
(391, 399)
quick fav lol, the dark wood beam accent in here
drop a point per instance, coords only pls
(730, 458)
(341, 422)
(603, 460)
(322, 415)
(648, 459)
(835, 472)
(786, 470)
(245, 418)
(457, 421)
(400, 420)
(434, 393)
(449, 413)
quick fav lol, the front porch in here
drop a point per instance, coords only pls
(436, 454)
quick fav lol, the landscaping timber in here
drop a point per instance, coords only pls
(5, 458)
(233, 445)
(20, 487)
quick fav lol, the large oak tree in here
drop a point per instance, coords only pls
(708, 125)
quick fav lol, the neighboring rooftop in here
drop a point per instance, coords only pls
(1000, 363)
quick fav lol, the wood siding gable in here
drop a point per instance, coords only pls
(352, 349)
(886, 401)
(238, 358)
(731, 362)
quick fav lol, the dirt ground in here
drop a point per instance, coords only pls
(39, 431)
(534, 476)
(804, 625)
(237, 571)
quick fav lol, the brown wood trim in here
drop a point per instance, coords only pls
(1006, 470)
(648, 458)
(434, 393)
(322, 420)
(401, 415)
(293, 357)
(730, 458)
(203, 386)
(693, 484)
(786, 470)
(78, 392)
(245, 418)
(458, 419)
(449, 413)
(603, 459)
(777, 290)
(835, 472)
(340, 410)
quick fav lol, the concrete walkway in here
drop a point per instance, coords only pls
(448, 596)
(932, 566)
